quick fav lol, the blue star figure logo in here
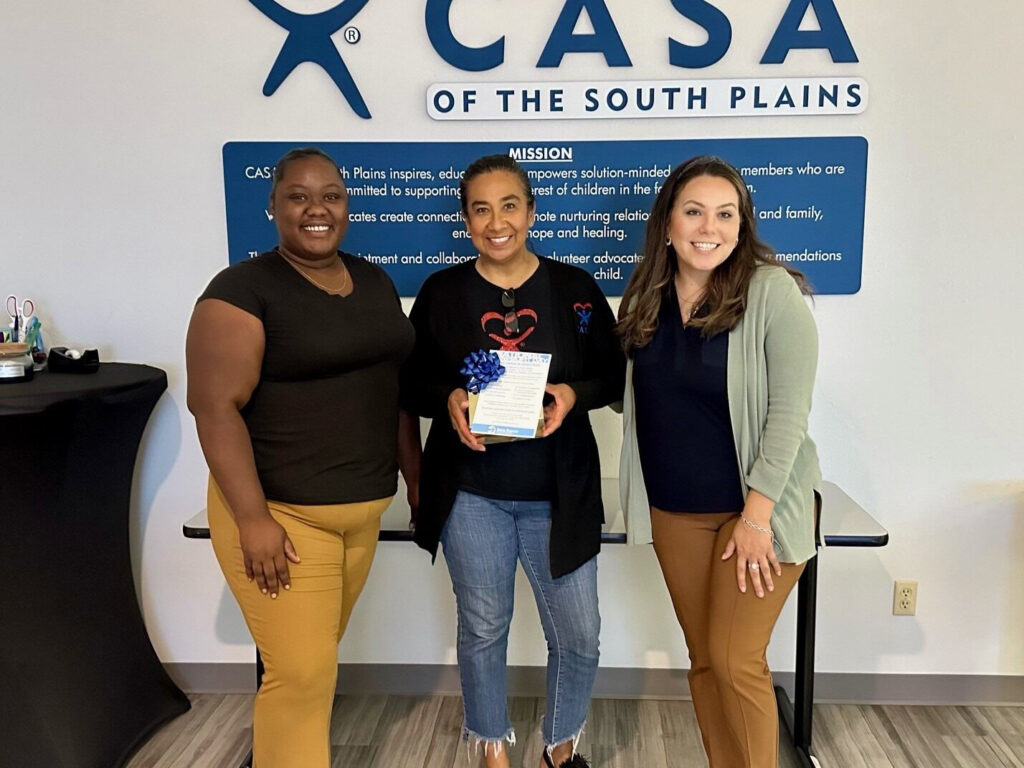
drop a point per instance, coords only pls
(309, 39)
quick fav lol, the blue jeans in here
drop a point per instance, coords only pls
(482, 540)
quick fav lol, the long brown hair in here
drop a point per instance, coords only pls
(725, 298)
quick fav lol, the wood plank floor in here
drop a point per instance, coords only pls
(423, 732)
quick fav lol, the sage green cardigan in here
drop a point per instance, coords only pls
(773, 353)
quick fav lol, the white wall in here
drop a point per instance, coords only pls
(113, 119)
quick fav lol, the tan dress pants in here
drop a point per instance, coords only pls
(727, 633)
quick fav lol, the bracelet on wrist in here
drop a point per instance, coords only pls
(758, 528)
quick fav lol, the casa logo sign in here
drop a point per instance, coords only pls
(310, 39)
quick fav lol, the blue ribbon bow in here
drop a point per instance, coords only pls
(480, 369)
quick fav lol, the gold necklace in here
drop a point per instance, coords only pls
(692, 301)
(298, 268)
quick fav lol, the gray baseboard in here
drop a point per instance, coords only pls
(624, 682)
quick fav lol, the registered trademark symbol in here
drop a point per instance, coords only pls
(352, 35)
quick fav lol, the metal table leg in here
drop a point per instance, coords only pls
(247, 760)
(797, 715)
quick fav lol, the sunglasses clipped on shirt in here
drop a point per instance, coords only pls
(508, 301)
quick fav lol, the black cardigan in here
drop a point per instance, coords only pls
(591, 362)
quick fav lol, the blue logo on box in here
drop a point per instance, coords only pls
(309, 39)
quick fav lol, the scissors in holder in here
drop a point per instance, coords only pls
(18, 313)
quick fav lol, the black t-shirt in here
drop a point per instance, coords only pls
(323, 419)
(523, 469)
(684, 433)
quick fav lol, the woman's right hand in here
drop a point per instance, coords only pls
(266, 550)
(458, 412)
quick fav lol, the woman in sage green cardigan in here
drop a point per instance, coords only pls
(717, 467)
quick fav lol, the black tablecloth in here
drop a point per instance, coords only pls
(80, 684)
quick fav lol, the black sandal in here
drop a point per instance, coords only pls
(576, 761)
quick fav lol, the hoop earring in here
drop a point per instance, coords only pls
(668, 242)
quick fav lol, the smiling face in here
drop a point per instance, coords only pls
(310, 208)
(704, 225)
(498, 216)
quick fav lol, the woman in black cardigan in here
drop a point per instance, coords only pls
(534, 501)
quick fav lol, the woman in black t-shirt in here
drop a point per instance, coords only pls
(534, 501)
(293, 361)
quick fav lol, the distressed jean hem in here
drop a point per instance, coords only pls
(549, 746)
(474, 740)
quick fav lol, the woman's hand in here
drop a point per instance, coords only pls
(755, 553)
(410, 459)
(556, 411)
(266, 550)
(753, 544)
(458, 411)
(412, 495)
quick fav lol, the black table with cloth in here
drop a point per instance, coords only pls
(80, 683)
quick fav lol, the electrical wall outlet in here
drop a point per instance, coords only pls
(904, 598)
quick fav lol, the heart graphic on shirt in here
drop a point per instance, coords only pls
(495, 321)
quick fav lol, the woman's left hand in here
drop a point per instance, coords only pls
(755, 554)
(556, 411)
(412, 495)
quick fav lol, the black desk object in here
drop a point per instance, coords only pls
(81, 684)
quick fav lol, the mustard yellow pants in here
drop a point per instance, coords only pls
(298, 633)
